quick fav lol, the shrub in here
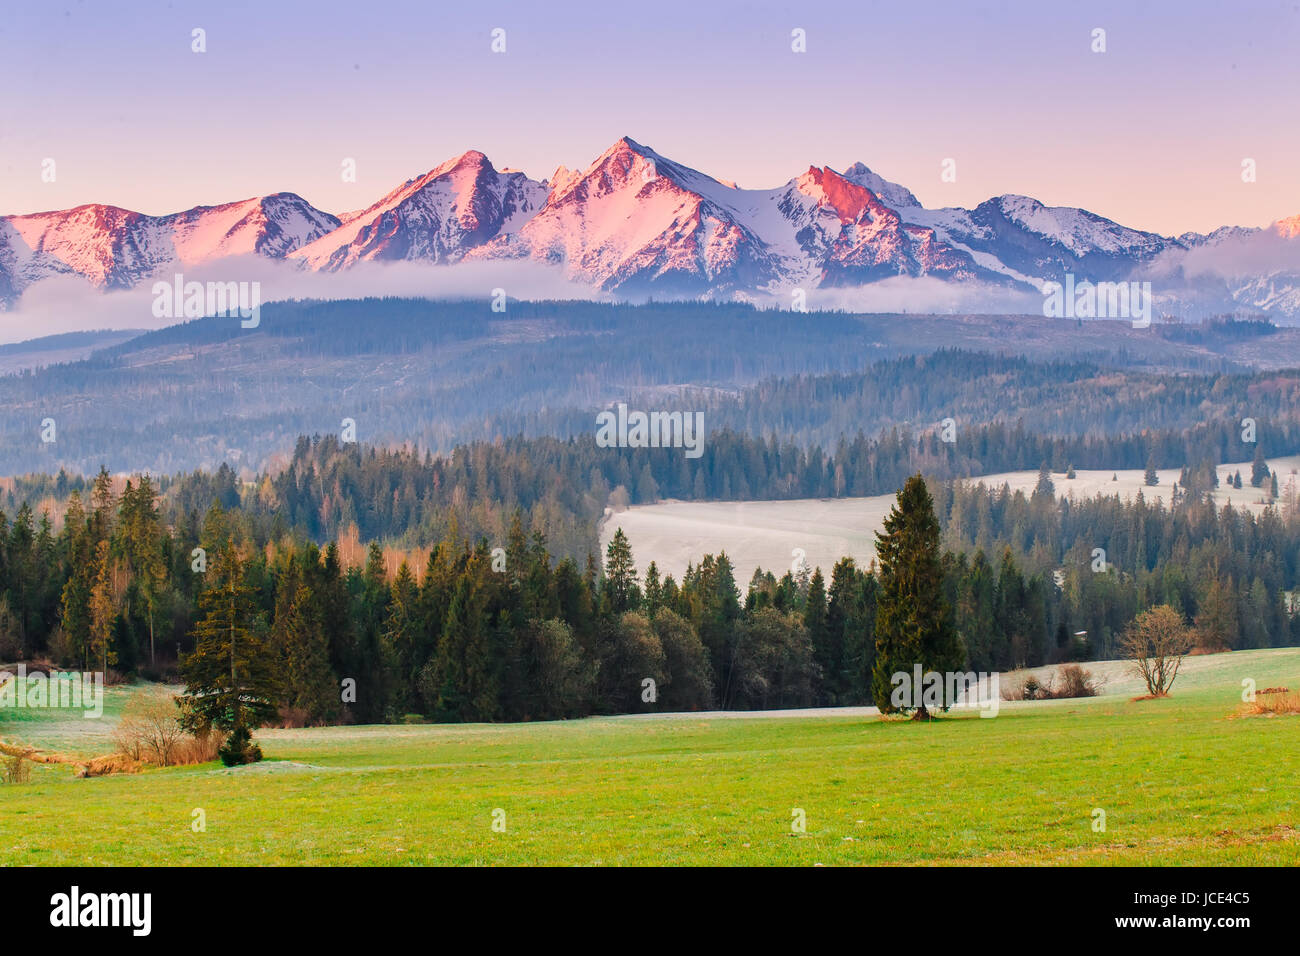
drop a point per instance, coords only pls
(1070, 681)
(107, 764)
(239, 748)
(17, 769)
(150, 729)
(1074, 682)
(62, 648)
(201, 748)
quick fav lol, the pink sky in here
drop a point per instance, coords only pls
(1151, 133)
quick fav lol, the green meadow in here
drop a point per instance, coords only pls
(1183, 780)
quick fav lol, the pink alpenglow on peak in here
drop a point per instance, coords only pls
(636, 224)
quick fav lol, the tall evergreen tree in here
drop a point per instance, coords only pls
(827, 648)
(620, 591)
(231, 676)
(103, 609)
(914, 623)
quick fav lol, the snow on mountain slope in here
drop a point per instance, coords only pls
(1028, 240)
(891, 194)
(109, 246)
(635, 222)
(638, 224)
(437, 217)
(272, 226)
(1081, 232)
(862, 239)
(114, 248)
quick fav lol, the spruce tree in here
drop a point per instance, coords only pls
(231, 679)
(620, 591)
(1149, 477)
(74, 598)
(1044, 488)
(913, 621)
(826, 651)
(1258, 468)
(298, 636)
(103, 609)
(401, 637)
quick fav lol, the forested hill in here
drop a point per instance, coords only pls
(409, 499)
(437, 374)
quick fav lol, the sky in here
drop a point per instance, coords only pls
(1152, 132)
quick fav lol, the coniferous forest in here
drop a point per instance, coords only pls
(494, 622)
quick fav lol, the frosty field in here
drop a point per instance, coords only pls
(766, 533)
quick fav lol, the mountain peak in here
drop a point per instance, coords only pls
(627, 142)
(891, 194)
(470, 159)
(846, 197)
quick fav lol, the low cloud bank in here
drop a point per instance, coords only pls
(71, 304)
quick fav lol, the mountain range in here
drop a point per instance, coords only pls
(637, 225)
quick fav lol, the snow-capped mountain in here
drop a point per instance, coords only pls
(636, 224)
(116, 248)
(438, 217)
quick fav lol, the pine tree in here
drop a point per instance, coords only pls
(298, 636)
(850, 623)
(24, 574)
(401, 638)
(142, 532)
(913, 622)
(1258, 468)
(826, 652)
(1044, 488)
(461, 676)
(101, 506)
(74, 598)
(103, 609)
(620, 590)
(653, 590)
(231, 680)
(367, 659)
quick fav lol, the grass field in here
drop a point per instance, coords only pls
(1182, 781)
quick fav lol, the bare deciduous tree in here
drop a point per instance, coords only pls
(1156, 642)
(150, 729)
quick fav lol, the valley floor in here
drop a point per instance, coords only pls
(1185, 780)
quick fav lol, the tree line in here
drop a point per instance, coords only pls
(503, 629)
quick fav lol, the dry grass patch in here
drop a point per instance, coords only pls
(150, 732)
(16, 769)
(1274, 702)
